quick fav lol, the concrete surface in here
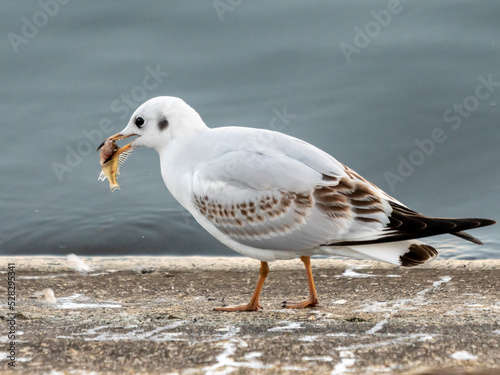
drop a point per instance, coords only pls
(153, 315)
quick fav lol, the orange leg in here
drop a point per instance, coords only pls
(254, 304)
(313, 296)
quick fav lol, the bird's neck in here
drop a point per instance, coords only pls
(190, 125)
(178, 162)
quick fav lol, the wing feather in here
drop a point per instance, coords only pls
(293, 196)
(278, 202)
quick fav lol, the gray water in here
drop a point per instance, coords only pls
(367, 82)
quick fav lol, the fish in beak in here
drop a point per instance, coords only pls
(111, 157)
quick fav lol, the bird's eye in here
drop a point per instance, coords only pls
(139, 122)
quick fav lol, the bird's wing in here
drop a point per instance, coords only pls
(290, 197)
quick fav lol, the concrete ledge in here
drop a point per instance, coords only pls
(52, 263)
(154, 315)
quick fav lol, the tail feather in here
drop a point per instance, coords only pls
(417, 254)
(406, 224)
(468, 237)
(403, 253)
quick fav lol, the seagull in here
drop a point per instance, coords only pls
(269, 196)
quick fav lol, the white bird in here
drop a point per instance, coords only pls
(270, 196)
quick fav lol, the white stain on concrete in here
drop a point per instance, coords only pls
(347, 359)
(463, 356)
(377, 327)
(42, 277)
(406, 303)
(392, 308)
(318, 359)
(291, 326)
(435, 285)
(79, 301)
(406, 340)
(349, 272)
(132, 333)
(225, 364)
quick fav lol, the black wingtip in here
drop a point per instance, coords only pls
(486, 222)
(479, 223)
(466, 236)
(406, 224)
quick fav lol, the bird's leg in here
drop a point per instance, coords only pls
(313, 296)
(254, 304)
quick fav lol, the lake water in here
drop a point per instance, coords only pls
(379, 85)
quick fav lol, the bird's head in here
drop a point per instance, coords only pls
(158, 121)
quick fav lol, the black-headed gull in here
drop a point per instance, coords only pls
(270, 196)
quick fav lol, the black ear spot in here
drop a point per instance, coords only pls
(163, 123)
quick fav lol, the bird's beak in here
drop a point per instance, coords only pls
(116, 137)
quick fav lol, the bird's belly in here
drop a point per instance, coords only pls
(265, 255)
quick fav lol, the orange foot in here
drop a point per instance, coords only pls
(247, 307)
(310, 302)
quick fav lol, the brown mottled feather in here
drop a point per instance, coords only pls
(417, 254)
